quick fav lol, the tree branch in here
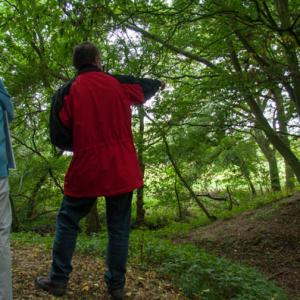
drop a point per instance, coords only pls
(171, 47)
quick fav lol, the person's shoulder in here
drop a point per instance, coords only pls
(86, 76)
(94, 78)
(108, 78)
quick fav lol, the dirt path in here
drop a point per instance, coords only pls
(267, 238)
(86, 281)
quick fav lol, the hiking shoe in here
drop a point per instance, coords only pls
(117, 294)
(56, 289)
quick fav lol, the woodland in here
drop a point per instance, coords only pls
(220, 144)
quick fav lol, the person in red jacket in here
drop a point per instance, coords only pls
(95, 110)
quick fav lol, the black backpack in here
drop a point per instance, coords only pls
(60, 135)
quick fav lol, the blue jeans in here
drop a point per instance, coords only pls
(118, 215)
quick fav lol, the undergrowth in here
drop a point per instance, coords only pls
(197, 273)
(190, 269)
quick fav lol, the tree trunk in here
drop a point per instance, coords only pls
(269, 153)
(15, 221)
(92, 220)
(32, 198)
(289, 177)
(252, 188)
(185, 183)
(229, 197)
(283, 120)
(180, 214)
(140, 211)
(245, 173)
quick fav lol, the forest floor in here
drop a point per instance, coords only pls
(86, 282)
(267, 238)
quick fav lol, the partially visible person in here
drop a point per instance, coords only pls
(6, 112)
(91, 116)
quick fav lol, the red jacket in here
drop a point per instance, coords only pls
(97, 110)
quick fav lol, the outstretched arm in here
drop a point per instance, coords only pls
(5, 102)
(139, 89)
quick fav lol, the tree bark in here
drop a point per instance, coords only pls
(32, 198)
(246, 173)
(269, 153)
(180, 214)
(185, 183)
(15, 221)
(283, 120)
(230, 198)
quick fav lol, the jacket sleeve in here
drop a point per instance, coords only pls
(5, 102)
(139, 90)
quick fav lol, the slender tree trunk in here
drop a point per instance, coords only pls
(282, 120)
(269, 153)
(245, 173)
(180, 214)
(273, 171)
(15, 221)
(92, 220)
(140, 211)
(178, 173)
(32, 198)
(289, 177)
(252, 188)
(229, 198)
(184, 182)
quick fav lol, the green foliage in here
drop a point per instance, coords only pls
(177, 229)
(95, 244)
(21, 238)
(246, 202)
(198, 273)
(203, 112)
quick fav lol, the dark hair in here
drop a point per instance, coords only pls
(85, 54)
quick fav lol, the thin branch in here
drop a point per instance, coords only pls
(28, 147)
(11, 4)
(34, 217)
(56, 182)
(170, 46)
(208, 195)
